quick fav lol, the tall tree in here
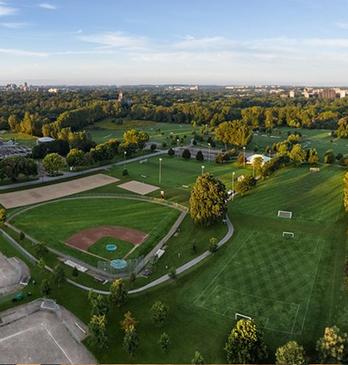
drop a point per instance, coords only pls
(159, 313)
(131, 341)
(245, 343)
(208, 200)
(53, 163)
(236, 133)
(332, 347)
(290, 354)
(118, 292)
(97, 331)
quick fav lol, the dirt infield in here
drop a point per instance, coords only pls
(88, 237)
(55, 191)
(138, 187)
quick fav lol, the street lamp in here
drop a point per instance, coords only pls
(203, 169)
(233, 174)
(160, 171)
(124, 160)
(244, 154)
(209, 146)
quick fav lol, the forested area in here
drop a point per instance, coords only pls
(63, 115)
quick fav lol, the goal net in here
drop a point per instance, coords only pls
(239, 316)
(284, 214)
(288, 234)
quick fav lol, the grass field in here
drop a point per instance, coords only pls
(72, 216)
(99, 248)
(158, 132)
(177, 176)
(318, 138)
(21, 138)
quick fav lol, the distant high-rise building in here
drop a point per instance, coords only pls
(120, 96)
(292, 94)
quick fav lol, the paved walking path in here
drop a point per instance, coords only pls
(70, 174)
(187, 266)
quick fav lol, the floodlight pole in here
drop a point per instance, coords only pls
(124, 160)
(160, 171)
(233, 173)
(203, 169)
(244, 155)
(209, 146)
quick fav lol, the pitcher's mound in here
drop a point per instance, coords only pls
(88, 237)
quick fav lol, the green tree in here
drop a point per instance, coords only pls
(236, 133)
(208, 200)
(312, 156)
(58, 275)
(97, 331)
(171, 152)
(290, 354)
(3, 216)
(75, 158)
(53, 163)
(329, 157)
(342, 128)
(131, 341)
(128, 321)
(118, 292)
(164, 342)
(332, 347)
(159, 313)
(40, 249)
(245, 343)
(213, 244)
(45, 287)
(244, 184)
(345, 199)
(186, 154)
(297, 153)
(257, 165)
(199, 156)
(198, 359)
(99, 303)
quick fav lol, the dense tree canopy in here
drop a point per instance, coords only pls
(208, 200)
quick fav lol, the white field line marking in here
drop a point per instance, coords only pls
(222, 269)
(16, 334)
(313, 285)
(57, 344)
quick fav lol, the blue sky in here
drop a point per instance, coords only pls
(174, 41)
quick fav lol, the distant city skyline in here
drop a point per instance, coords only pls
(221, 42)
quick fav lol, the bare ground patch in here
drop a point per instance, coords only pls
(41, 194)
(87, 237)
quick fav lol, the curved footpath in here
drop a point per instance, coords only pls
(187, 266)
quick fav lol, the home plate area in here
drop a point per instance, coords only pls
(138, 187)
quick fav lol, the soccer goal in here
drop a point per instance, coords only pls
(288, 234)
(284, 214)
(239, 316)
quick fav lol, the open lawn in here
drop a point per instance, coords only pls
(312, 138)
(158, 132)
(54, 222)
(177, 175)
(20, 138)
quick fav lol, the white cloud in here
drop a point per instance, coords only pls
(6, 10)
(21, 52)
(115, 40)
(47, 6)
(13, 25)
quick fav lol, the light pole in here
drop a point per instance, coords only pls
(160, 171)
(203, 169)
(124, 160)
(244, 155)
(233, 174)
(209, 145)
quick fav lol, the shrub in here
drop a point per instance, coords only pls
(125, 172)
(186, 154)
(171, 152)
